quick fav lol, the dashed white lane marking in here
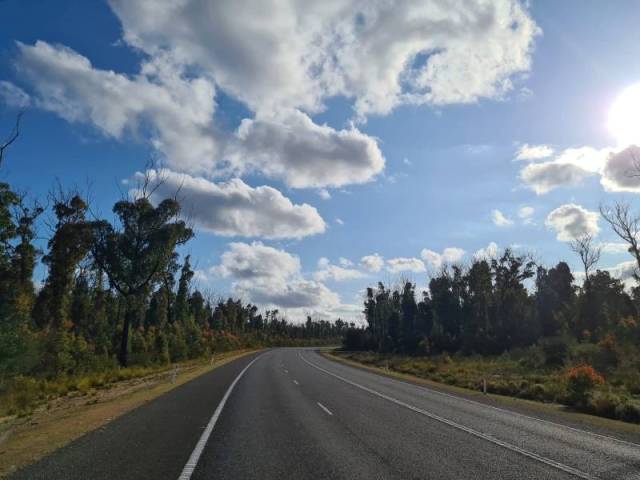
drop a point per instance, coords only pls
(296, 382)
(475, 433)
(324, 408)
(188, 469)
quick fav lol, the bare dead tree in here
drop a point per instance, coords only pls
(13, 136)
(625, 225)
(588, 252)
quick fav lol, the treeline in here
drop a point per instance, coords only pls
(116, 292)
(500, 304)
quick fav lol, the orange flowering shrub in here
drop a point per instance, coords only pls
(628, 330)
(608, 342)
(581, 381)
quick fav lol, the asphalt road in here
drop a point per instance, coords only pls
(294, 414)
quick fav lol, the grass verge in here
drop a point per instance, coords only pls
(549, 411)
(27, 438)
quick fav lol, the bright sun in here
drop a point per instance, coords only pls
(624, 117)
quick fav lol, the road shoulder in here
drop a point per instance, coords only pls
(49, 429)
(549, 412)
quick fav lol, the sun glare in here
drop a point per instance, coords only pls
(624, 117)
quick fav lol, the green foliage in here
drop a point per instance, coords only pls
(581, 381)
(556, 350)
(487, 309)
(78, 323)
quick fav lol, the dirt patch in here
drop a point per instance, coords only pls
(25, 440)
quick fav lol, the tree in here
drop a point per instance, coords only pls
(555, 297)
(602, 306)
(13, 136)
(589, 253)
(513, 315)
(69, 244)
(136, 253)
(447, 308)
(626, 225)
(477, 307)
(182, 297)
(409, 309)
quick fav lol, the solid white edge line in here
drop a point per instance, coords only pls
(191, 464)
(511, 412)
(324, 408)
(509, 446)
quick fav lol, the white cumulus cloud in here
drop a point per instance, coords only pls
(272, 278)
(498, 218)
(533, 152)
(292, 148)
(327, 271)
(404, 264)
(571, 221)
(234, 208)
(178, 109)
(272, 54)
(373, 263)
(13, 96)
(487, 253)
(448, 255)
(621, 172)
(570, 168)
(526, 212)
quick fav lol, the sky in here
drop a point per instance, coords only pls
(319, 148)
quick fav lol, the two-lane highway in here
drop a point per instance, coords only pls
(291, 413)
(298, 415)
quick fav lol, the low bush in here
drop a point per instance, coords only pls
(629, 411)
(556, 350)
(605, 404)
(581, 381)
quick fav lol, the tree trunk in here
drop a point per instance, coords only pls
(129, 316)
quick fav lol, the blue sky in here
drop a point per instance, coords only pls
(333, 132)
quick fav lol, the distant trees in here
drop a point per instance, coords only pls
(495, 305)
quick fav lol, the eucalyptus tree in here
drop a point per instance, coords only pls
(136, 252)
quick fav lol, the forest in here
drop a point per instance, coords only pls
(115, 294)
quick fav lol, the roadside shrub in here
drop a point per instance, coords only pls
(602, 356)
(22, 393)
(538, 391)
(605, 404)
(556, 351)
(532, 359)
(581, 381)
(629, 331)
(84, 385)
(629, 412)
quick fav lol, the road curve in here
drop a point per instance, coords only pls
(295, 414)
